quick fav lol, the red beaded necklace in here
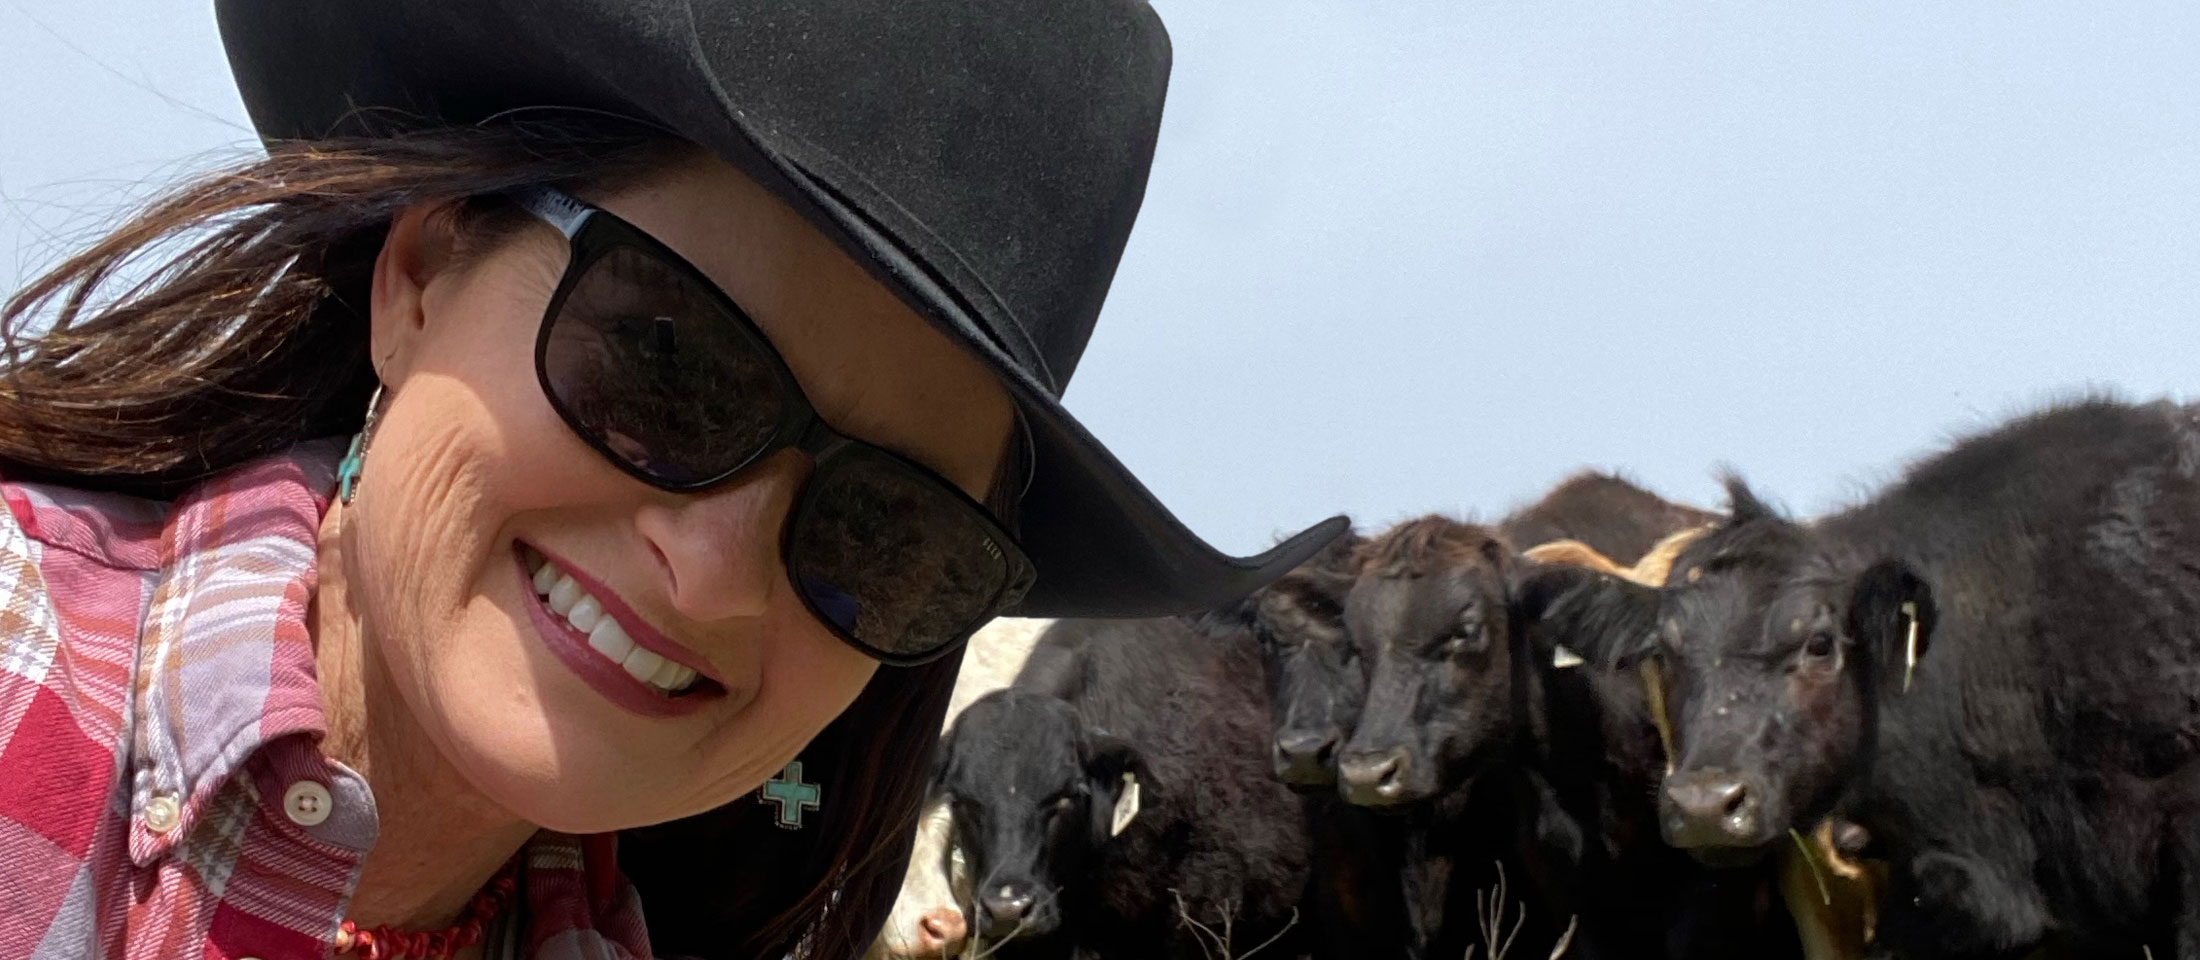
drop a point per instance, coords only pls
(387, 943)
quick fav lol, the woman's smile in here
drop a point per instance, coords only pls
(600, 638)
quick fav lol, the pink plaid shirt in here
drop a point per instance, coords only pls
(162, 793)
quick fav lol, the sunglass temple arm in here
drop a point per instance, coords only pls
(554, 207)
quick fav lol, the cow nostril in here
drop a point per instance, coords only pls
(1388, 776)
(1737, 797)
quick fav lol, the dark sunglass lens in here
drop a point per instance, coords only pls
(891, 558)
(647, 360)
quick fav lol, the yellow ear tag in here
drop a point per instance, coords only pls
(1126, 806)
(1653, 688)
(1909, 647)
(1563, 658)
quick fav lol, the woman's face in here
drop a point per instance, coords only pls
(472, 482)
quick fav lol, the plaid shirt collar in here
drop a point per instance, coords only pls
(234, 586)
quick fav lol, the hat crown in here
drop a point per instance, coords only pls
(1001, 147)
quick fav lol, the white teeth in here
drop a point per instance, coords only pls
(665, 675)
(642, 664)
(565, 597)
(609, 640)
(585, 614)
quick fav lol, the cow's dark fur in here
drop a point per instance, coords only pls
(2041, 774)
(1317, 680)
(1316, 676)
(1465, 697)
(1617, 518)
(1184, 710)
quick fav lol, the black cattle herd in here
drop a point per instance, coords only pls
(1959, 719)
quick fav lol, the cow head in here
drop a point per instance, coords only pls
(1774, 655)
(1316, 678)
(1036, 794)
(1431, 605)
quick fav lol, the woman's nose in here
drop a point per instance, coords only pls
(720, 548)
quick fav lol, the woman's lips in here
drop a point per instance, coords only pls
(639, 681)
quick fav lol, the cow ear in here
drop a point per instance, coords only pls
(1119, 779)
(1587, 611)
(1891, 616)
(1742, 503)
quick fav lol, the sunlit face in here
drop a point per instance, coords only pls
(472, 481)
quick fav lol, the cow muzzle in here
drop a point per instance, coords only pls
(1712, 809)
(1303, 758)
(1375, 778)
(1005, 911)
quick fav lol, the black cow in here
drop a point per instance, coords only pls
(1491, 678)
(1317, 679)
(1037, 771)
(1993, 667)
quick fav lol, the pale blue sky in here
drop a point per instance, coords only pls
(1410, 256)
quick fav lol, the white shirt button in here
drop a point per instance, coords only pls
(161, 813)
(307, 803)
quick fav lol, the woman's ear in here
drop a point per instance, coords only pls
(419, 244)
(1891, 616)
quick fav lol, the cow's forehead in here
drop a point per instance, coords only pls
(1026, 744)
(1403, 600)
(1719, 610)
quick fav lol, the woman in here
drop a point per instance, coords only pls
(699, 365)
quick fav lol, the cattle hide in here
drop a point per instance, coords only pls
(929, 918)
(1214, 839)
(1993, 667)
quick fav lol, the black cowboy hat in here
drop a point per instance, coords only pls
(983, 158)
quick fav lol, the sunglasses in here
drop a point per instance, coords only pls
(654, 366)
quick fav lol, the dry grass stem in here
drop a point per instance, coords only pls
(1489, 921)
(1222, 942)
(1565, 940)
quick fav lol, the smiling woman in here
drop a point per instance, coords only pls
(700, 368)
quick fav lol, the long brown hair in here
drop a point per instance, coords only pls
(228, 320)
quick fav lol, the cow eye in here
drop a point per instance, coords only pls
(1467, 642)
(1064, 804)
(1820, 644)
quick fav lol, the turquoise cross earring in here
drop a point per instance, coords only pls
(792, 795)
(347, 470)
